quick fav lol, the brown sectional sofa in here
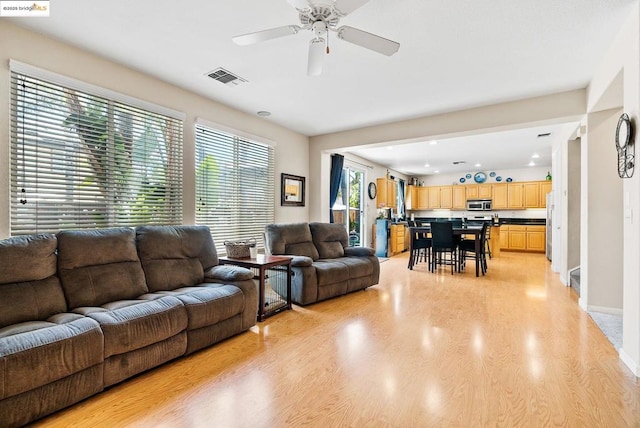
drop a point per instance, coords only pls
(83, 310)
(323, 265)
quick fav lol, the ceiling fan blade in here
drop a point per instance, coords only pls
(368, 40)
(316, 56)
(345, 7)
(299, 4)
(261, 36)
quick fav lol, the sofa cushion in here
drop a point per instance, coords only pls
(358, 266)
(175, 256)
(66, 348)
(330, 239)
(207, 304)
(135, 324)
(29, 289)
(330, 271)
(99, 266)
(292, 238)
(27, 258)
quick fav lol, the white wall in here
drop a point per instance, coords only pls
(624, 57)
(292, 149)
(537, 173)
(601, 216)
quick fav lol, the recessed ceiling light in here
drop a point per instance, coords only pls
(390, 148)
(433, 143)
(478, 165)
(426, 165)
(436, 171)
(264, 113)
(535, 156)
(532, 163)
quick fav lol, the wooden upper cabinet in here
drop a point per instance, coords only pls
(434, 197)
(446, 197)
(500, 200)
(423, 198)
(485, 191)
(545, 187)
(515, 195)
(411, 198)
(386, 197)
(472, 191)
(531, 197)
(459, 197)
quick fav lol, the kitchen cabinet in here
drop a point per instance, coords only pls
(446, 197)
(536, 238)
(472, 191)
(386, 197)
(459, 197)
(397, 237)
(485, 191)
(515, 195)
(499, 197)
(411, 198)
(545, 187)
(423, 198)
(518, 237)
(531, 198)
(434, 197)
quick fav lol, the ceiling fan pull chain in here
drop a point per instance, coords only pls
(327, 49)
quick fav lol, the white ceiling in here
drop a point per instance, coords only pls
(515, 149)
(453, 54)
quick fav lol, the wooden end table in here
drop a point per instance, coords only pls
(261, 264)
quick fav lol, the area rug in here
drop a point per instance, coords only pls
(611, 326)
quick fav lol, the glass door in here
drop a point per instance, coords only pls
(349, 206)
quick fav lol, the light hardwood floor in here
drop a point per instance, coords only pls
(418, 350)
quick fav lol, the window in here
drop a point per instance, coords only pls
(235, 192)
(82, 161)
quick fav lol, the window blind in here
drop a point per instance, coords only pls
(83, 161)
(234, 186)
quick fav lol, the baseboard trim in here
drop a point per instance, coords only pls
(605, 310)
(629, 362)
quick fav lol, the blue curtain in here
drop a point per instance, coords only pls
(337, 162)
(401, 208)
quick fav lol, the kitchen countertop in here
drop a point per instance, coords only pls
(524, 221)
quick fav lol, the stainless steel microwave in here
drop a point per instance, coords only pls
(479, 205)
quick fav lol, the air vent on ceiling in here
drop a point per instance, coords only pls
(226, 77)
(458, 162)
(546, 134)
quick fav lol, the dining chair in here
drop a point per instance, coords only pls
(467, 249)
(420, 246)
(487, 241)
(443, 242)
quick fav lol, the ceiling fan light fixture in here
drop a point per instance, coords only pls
(316, 52)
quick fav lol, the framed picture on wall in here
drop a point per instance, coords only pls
(292, 190)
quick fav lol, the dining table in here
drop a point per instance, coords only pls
(475, 230)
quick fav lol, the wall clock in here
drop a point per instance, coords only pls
(373, 190)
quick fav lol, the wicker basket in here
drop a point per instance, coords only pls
(239, 249)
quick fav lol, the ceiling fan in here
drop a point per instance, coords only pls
(320, 17)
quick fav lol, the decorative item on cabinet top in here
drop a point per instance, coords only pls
(625, 147)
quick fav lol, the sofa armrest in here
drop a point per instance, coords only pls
(227, 273)
(359, 251)
(301, 261)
